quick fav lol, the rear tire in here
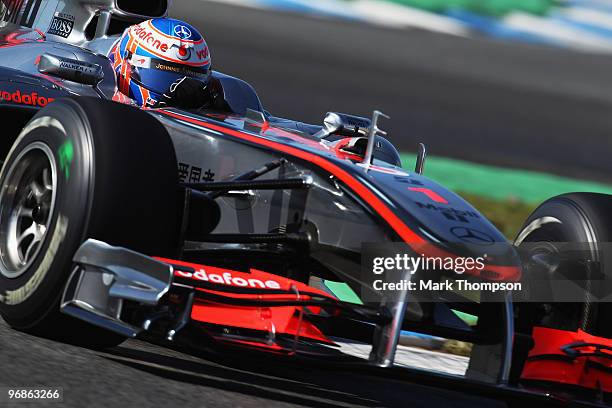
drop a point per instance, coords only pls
(82, 168)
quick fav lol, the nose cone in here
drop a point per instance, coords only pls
(448, 223)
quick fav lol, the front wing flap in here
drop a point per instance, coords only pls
(130, 293)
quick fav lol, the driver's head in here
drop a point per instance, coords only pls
(154, 54)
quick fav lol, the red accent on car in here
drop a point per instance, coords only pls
(415, 241)
(385, 212)
(570, 358)
(255, 278)
(279, 320)
(29, 99)
(432, 195)
(21, 36)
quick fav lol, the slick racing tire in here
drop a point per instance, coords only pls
(575, 218)
(81, 168)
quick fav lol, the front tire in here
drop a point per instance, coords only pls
(575, 218)
(81, 168)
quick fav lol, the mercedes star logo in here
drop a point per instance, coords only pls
(472, 236)
(182, 32)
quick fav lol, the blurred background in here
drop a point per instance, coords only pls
(512, 97)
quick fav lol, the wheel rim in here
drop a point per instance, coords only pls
(27, 201)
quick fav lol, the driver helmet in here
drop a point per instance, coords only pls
(151, 56)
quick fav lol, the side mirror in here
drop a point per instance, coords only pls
(347, 124)
(71, 69)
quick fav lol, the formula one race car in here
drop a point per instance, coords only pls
(239, 229)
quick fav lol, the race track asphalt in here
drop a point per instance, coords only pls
(483, 100)
(138, 374)
(492, 102)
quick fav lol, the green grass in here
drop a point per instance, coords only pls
(505, 196)
(501, 183)
(494, 8)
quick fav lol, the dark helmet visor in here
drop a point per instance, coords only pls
(160, 74)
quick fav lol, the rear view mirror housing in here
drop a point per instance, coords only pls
(71, 69)
(348, 125)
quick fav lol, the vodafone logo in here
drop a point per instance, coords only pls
(32, 99)
(227, 278)
(202, 54)
(150, 39)
(183, 53)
